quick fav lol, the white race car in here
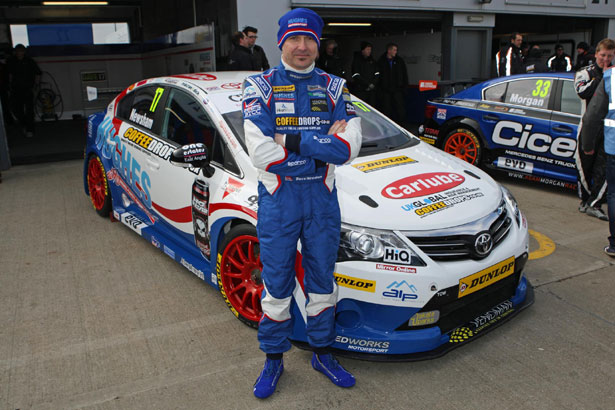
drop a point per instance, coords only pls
(432, 249)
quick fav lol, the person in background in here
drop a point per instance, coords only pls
(508, 60)
(392, 84)
(560, 61)
(258, 54)
(241, 58)
(525, 49)
(591, 183)
(599, 119)
(584, 56)
(24, 78)
(330, 61)
(365, 74)
(534, 63)
(297, 197)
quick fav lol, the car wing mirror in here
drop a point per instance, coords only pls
(192, 156)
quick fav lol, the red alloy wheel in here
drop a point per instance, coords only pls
(240, 272)
(97, 184)
(463, 146)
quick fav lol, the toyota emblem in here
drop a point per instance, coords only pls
(483, 244)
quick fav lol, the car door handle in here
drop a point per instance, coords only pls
(153, 164)
(563, 129)
(490, 117)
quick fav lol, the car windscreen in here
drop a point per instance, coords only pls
(379, 133)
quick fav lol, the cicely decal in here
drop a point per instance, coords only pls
(515, 134)
(364, 285)
(400, 291)
(422, 185)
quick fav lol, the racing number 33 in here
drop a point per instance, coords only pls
(542, 88)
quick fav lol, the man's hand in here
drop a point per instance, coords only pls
(338, 127)
(279, 138)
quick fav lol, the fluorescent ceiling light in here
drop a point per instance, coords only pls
(75, 3)
(350, 24)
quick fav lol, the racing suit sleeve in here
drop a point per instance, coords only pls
(507, 62)
(259, 129)
(593, 118)
(585, 83)
(335, 149)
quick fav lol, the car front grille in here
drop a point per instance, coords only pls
(453, 244)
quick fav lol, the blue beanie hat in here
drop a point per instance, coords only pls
(299, 22)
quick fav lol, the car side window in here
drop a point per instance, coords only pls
(139, 107)
(186, 122)
(534, 92)
(571, 103)
(495, 93)
(223, 156)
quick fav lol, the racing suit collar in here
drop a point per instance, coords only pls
(298, 74)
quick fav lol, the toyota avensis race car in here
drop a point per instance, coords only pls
(525, 125)
(432, 249)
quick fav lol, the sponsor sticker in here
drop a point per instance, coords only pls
(363, 285)
(364, 345)
(424, 318)
(133, 222)
(486, 277)
(422, 185)
(251, 109)
(318, 105)
(232, 186)
(249, 92)
(170, 252)
(284, 108)
(383, 163)
(441, 114)
(480, 323)
(397, 255)
(283, 88)
(231, 86)
(350, 109)
(400, 291)
(516, 164)
(395, 268)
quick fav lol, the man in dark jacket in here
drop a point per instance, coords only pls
(534, 63)
(241, 56)
(258, 54)
(24, 76)
(330, 61)
(508, 60)
(559, 61)
(365, 74)
(584, 56)
(393, 83)
(600, 120)
(591, 183)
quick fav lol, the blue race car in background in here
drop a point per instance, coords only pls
(525, 125)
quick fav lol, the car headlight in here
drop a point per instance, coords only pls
(512, 202)
(359, 243)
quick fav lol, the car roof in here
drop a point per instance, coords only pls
(475, 91)
(214, 82)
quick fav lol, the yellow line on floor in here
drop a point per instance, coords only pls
(545, 245)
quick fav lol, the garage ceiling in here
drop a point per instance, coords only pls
(32, 11)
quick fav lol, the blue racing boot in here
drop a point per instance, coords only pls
(268, 380)
(329, 366)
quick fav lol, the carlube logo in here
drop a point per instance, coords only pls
(422, 185)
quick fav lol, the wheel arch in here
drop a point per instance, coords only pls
(218, 232)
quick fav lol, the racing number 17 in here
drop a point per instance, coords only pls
(542, 88)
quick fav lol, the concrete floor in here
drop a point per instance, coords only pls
(93, 317)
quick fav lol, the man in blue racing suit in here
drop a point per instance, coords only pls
(299, 123)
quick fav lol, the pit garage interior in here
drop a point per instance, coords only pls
(453, 45)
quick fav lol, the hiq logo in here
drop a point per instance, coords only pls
(396, 255)
(399, 290)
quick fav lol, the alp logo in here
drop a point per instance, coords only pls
(422, 185)
(399, 291)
